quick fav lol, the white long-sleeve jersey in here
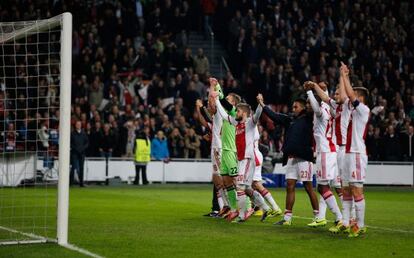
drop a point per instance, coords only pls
(342, 114)
(357, 128)
(322, 125)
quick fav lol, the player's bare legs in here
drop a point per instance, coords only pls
(221, 193)
(312, 197)
(357, 191)
(290, 199)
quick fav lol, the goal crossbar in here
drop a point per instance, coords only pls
(33, 28)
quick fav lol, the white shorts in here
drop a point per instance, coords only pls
(299, 169)
(337, 181)
(325, 166)
(215, 160)
(355, 166)
(246, 168)
(340, 156)
(257, 177)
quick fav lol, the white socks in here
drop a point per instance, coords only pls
(259, 201)
(360, 211)
(322, 208)
(269, 198)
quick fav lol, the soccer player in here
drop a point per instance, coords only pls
(341, 120)
(214, 124)
(297, 154)
(356, 158)
(228, 165)
(245, 140)
(257, 178)
(326, 164)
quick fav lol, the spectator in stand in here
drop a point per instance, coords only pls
(201, 64)
(131, 135)
(159, 147)
(78, 145)
(392, 145)
(209, 7)
(374, 143)
(106, 142)
(192, 145)
(407, 141)
(176, 144)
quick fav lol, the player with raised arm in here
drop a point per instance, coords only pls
(326, 164)
(214, 123)
(245, 131)
(228, 165)
(356, 158)
(297, 154)
(339, 108)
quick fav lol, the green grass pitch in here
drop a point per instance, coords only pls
(165, 221)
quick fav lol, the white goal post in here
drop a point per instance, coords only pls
(20, 215)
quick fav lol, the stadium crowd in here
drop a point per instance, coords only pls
(132, 68)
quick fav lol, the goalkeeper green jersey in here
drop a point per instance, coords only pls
(228, 134)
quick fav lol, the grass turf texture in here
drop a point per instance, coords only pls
(165, 221)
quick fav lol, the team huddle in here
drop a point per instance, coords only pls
(333, 129)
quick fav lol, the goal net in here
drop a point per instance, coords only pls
(35, 74)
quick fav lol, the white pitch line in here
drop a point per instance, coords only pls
(31, 235)
(41, 239)
(374, 227)
(81, 250)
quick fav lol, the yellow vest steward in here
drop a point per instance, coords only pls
(142, 150)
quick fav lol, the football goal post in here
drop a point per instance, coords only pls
(35, 113)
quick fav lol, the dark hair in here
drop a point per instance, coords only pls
(301, 101)
(140, 134)
(362, 91)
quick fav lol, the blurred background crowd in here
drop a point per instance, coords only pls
(133, 69)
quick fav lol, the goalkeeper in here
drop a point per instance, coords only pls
(228, 168)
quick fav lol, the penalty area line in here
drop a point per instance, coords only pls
(81, 250)
(373, 227)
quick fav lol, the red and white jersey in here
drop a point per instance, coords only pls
(215, 128)
(323, 129)
(357, 128)
(341, 121)
(245, 132)
(245, 139)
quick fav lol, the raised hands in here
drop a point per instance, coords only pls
(323, 86)
(260, 99)
(213, 81)
(309, 85)
(344, 70)
(199, 103)
(213, 86)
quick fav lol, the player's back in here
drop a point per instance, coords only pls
(357, 129)
(341, 121)
(323, 130)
